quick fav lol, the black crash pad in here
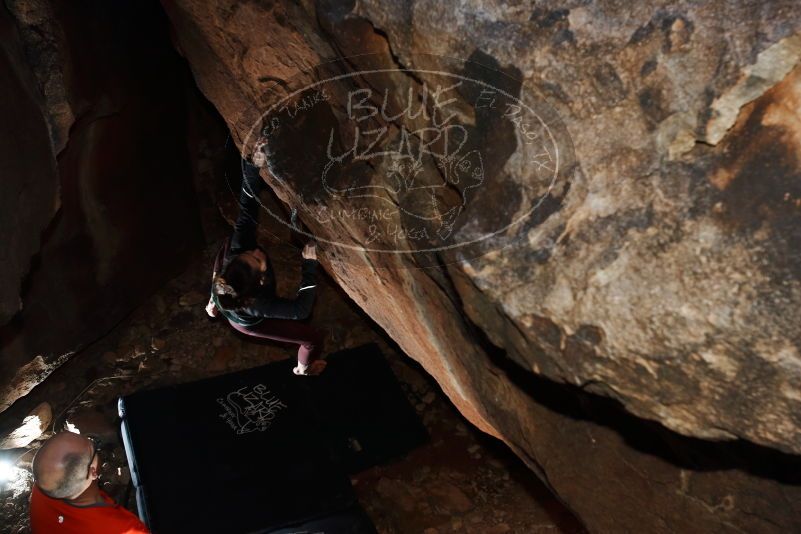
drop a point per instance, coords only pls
(364, 410)
(262, 450)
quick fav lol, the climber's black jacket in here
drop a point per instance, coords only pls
(266, 304)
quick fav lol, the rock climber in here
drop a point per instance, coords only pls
(243, 282)
(66, 497)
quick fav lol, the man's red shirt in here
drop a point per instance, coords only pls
(51, 516)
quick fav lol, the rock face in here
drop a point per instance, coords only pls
(661, 279)
(659, 266)
(34, 424)
(29, 169)
(98, 208)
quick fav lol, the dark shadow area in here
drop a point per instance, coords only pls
(518, 470)
(127, 218)
(646, 436)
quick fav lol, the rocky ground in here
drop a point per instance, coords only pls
(461, 481)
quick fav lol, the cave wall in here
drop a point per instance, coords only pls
(99, 208)
(28, 168)
(649, 311)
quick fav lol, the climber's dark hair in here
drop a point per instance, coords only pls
(236, 285)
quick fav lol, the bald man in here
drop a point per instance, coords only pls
(66, 497)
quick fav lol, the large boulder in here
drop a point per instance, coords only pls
(667, 275)
(643, 305)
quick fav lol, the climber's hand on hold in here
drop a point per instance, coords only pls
(259, 158)
(309, 251)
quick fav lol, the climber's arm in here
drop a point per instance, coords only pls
(298, 308)
(244, 237)
(211, 308)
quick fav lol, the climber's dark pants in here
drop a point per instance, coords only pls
(309, 338)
